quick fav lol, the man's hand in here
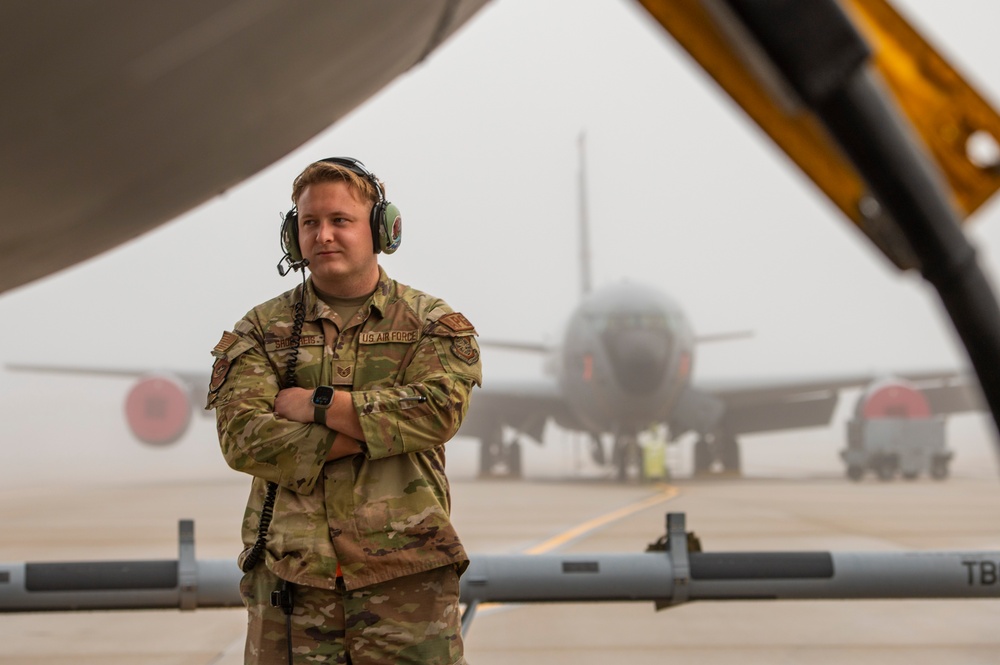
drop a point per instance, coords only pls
(343, 446)
(294, 404)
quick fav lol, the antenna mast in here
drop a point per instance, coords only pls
(585, 281)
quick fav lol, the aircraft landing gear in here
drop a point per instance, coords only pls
(499, 458)
(597, 450)
(718, 452)
(729, 453)
(702, 457)
(627, 458)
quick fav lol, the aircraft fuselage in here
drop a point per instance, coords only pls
(625, 359)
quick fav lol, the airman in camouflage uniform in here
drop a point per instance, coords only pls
(361, 523)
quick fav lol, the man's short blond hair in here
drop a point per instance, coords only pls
(318, 172)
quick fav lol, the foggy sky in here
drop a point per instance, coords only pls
(477, 146)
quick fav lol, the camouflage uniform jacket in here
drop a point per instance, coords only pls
(410, 364)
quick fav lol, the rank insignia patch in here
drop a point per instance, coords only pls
(456, 322)
(465, 350)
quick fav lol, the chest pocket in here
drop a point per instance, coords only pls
(382, 354)
(279, 345)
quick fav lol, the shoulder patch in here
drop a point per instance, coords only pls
(456, 322)
(228, 339)
(219, 372)
(465, 349)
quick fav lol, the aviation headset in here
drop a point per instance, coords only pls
(385, 221)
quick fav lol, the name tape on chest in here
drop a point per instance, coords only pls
(289, 342)
(387, 336)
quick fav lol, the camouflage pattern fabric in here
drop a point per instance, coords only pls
(408, 620)
(410, 364)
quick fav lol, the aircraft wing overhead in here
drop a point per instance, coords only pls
(119, 115)
(778, 403)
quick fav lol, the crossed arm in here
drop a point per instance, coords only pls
(296, 404)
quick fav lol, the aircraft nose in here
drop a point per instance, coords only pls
(639, 358)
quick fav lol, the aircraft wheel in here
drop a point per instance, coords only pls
(702, 457)
(490, 454)
(497, 458)
(729, 453)
(513, 455)
(910, 475)
(597, 450)
(855, 472)
(629, 461)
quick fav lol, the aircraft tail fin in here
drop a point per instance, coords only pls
(585, 267)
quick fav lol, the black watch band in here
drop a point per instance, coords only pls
(319, 415)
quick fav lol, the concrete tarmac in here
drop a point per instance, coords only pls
(564, 509)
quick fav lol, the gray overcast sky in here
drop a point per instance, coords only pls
(477, 146)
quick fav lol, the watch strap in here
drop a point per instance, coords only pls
(319, 415)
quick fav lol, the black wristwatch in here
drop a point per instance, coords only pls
(322, 399)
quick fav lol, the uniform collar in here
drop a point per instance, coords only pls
(317, 309)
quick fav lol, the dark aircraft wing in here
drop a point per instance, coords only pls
(120, 115)
(753, 405)
(525, 405)
(196, 380)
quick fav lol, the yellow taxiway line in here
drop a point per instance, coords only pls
(667, 492)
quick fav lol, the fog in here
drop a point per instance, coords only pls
(477, 146)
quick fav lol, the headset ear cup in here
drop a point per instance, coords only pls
(290, 235)
(375, 224)
(390, 228)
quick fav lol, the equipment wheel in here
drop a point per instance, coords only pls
(885, 468)
(855, 472)
(939, 468)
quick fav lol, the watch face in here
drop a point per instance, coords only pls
(322, 396)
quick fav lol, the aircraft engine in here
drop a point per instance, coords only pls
(158, 410)
(892, 398)
(894, 431)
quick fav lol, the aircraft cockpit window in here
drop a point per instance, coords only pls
(637, 321)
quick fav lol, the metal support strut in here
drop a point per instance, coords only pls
(677, 548)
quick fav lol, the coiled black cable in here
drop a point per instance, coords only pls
(267, 508)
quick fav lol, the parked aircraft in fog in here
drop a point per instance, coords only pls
(625, 364)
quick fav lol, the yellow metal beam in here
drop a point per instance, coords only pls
(959, 129)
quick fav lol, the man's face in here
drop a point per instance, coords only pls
(334, 234)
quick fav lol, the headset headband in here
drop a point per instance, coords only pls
(385, 221)
(359, 168)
